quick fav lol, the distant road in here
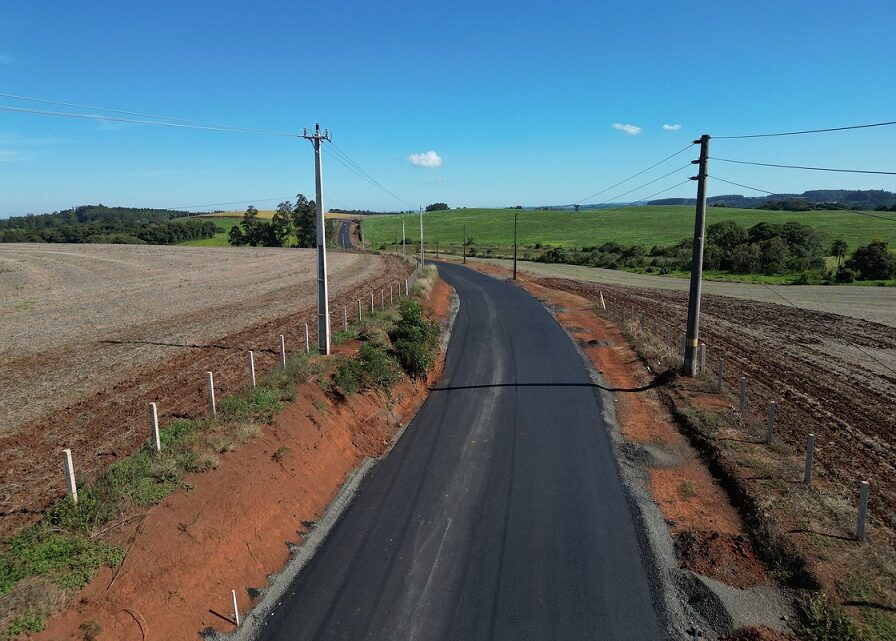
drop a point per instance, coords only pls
(345, 235)
(876, 304)
(499, 514)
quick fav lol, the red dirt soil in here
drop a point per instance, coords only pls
(109, 425)
(231, 530)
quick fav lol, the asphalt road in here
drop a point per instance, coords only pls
(345, 235)
(499, 514)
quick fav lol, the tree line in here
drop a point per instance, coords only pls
(101, 224)
(764, 248)
(292, 225)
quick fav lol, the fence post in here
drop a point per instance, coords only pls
(283, 347)
(390, 294)
(344, 318)
(210, 382)
(154, 427)
(603, 305)
(743, 395)
(252, 368)
(359, 310)
(382, 300)
(772, 412)
(371, 302)
(702, 357)
(810, 451)
(406, 288)
(864, 489)
(720, 381)
(70, 485)
(307, 340)
(236, 610)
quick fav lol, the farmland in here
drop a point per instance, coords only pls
(646, 226)
(92, 333)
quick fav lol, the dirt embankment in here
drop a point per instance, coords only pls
(830, 375)
(88, 361)
(235, 525)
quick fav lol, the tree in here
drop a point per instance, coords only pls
(304, 216)
(773, 255)
(874, 261)
(745, 258)
(839, 249)
(437, 207)
(727, 234)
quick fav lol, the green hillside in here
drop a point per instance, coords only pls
(647, 225)
(220, 238)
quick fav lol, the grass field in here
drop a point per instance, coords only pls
(646, 226)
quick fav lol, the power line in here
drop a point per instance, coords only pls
(790, 302)
(765, 164)
(235, 202)
(135, 113)
(346, 161)
(680, 151)
(674, 171)
(154, 123)
(771, 193)
(683, 182)
(807, 131)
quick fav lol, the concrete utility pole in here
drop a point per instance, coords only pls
(464, 244)
(515, 225)
(692, 337)
(422, 255)
(323, 309)
(404, 251)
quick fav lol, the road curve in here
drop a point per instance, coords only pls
(345, 235)
(499, 514)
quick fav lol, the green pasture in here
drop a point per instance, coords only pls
(646, 225)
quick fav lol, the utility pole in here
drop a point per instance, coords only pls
(515, 223)
(692, 338)
(464, 244)
(323, 308)
(404, 251)
(422, 255)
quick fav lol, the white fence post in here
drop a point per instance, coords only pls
(702, 357)
(154, 427)
(772, 412)
(210, 383)
(371, 303)
(406, 288)
(810, 451)
(359, 310)
(236, 609)
(307, 342)
(382, 300)
(70, 485)
(864, 490)
(282, 351)
(252, 368)
(344, 318)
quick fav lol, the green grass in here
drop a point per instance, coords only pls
(219, 239)
(646, 226)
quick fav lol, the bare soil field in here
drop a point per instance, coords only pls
(877, 304)
(90, 334)
(816, 365)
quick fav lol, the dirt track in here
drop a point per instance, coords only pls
(811, 362)
(89, 334)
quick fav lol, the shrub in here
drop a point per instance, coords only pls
(874, 261)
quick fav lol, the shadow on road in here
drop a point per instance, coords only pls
(658, 381)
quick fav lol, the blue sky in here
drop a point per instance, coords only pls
(518, 100)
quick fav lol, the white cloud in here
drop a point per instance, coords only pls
(671, 127)
(631, 130)
(429, 159)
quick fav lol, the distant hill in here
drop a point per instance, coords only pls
(868, 199)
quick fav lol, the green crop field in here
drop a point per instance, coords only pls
(219, 239)
(647, 225)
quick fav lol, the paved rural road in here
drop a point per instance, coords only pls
(498, 515)
(345, 235)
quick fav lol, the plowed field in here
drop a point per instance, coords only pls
(90, 334)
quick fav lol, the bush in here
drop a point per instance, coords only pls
(874, 261)
(373, 368)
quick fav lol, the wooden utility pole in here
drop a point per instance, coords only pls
(515, 225)
(323, 310)
(692, 337)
